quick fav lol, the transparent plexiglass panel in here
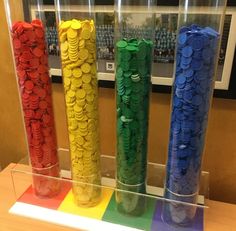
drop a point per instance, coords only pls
(155, 173)
(151, 212)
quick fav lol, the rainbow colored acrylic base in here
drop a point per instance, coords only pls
(62, 210)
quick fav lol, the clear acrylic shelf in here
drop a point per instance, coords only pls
(117, 209)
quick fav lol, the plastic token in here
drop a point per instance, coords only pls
(76, 25)
(121, 44)
(86, 68)
(85, 33)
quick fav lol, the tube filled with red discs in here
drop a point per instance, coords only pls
(29, 48)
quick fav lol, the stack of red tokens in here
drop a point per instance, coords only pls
(35, 89)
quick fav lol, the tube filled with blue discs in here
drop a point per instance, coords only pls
(197, 51)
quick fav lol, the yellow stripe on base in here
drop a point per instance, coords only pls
(96, 212)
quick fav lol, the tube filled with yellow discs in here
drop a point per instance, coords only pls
(77, 38)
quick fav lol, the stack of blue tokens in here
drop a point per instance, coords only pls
(193, 85)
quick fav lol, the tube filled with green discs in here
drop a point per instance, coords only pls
(134, 33)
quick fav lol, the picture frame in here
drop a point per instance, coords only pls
(106, 66)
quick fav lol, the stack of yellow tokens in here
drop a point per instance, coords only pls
(78, 56)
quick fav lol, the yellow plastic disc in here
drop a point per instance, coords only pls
(83, 54)
(86, 78)
(85, 33)
(77, 72)
(85, 68)
(66, 81)
(80, 140)
(82, 43)
(81, 93)
(66, 25)
(89, 108)
(63, 37)
(67, 72)
(77, 82)
(64, 46)
(76, 25)
(72, 33)
(71, 93)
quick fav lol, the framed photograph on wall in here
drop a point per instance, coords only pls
(164, 47)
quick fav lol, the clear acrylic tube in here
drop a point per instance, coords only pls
(134, 35)
(198, 42)
(77, 36)
(29, 50)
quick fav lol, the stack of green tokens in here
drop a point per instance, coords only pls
(133, 82)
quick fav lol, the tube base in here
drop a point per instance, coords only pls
(45, 184)
(177, 213)
(128, 202)
(87, 190)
